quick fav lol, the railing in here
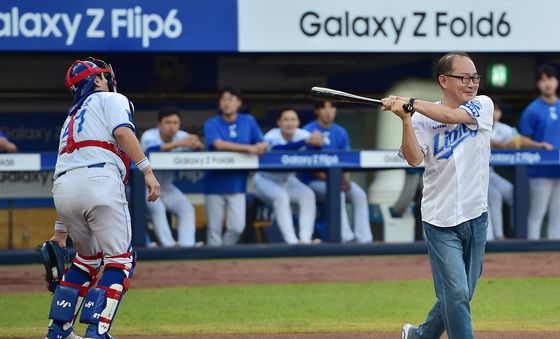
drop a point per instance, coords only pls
(331, 162)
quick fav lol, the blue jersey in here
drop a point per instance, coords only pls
(335, 138)
(244, 130)
(540, 122)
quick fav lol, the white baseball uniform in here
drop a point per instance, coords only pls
(171, 197)
(88, 190)
(455, 187)
(280, 189)
(499, 188)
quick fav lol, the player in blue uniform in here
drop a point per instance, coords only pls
(224, 189)
(540, 123)
(336, 138)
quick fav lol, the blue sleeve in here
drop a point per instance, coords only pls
(210, 134)
(152, 149)
(527, 124)
(345, 141)
(308, 127)
(290, 146)
(256, 133)
(2, 135)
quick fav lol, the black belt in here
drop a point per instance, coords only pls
(99, 165)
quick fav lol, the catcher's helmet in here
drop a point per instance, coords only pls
(80, 77)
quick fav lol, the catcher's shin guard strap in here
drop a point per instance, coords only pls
(89, 264)
(63, 304)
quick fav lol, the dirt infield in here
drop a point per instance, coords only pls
(301, 270)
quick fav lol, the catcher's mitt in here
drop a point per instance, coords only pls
(55, 260)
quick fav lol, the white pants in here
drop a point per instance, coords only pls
(280, 195)
(545, 195)
(358, 198)
(92, 203)
(174, 200)
(499, 190)
(216, 205)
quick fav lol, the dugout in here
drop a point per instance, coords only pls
(181, 52)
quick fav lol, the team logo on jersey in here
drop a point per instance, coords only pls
(446, 141)
(233, 131)
(553, 113)
(474, 107)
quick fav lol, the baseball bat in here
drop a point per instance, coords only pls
(333, 95)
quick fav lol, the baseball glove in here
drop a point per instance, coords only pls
(55, 260)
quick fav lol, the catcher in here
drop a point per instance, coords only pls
(90, 200)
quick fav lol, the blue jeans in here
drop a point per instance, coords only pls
(456, 257)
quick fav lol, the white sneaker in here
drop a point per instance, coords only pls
(407, 331)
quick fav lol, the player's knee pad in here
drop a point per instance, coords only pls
(68, 296)
(101, 303)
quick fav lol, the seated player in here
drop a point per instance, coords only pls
(336, 138)
(167, 137)
(279, 189)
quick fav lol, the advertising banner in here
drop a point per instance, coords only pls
(397, 26)
(124, 25)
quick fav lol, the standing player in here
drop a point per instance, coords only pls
(224, 189)
(452, 138)
(540, 122)
(499, 188)
(168, 138)
(336, 138)
(90, 200)
(279, 189)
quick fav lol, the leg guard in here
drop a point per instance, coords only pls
(101, 303)
(68, 296)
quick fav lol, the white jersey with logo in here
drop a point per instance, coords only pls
(151, 139)
(456, 159)
(274, 138)
(96, 119)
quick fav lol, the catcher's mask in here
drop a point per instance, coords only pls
(80, 77)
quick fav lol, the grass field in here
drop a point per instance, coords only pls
(499, 305)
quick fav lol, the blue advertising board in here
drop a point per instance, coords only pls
(33, 132)
(123, 25)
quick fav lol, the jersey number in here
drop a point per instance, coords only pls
(80, 118)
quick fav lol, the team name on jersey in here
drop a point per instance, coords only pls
(446, 141)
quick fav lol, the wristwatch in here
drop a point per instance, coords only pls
(409, 106)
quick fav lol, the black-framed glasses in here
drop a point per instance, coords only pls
(465, 78)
